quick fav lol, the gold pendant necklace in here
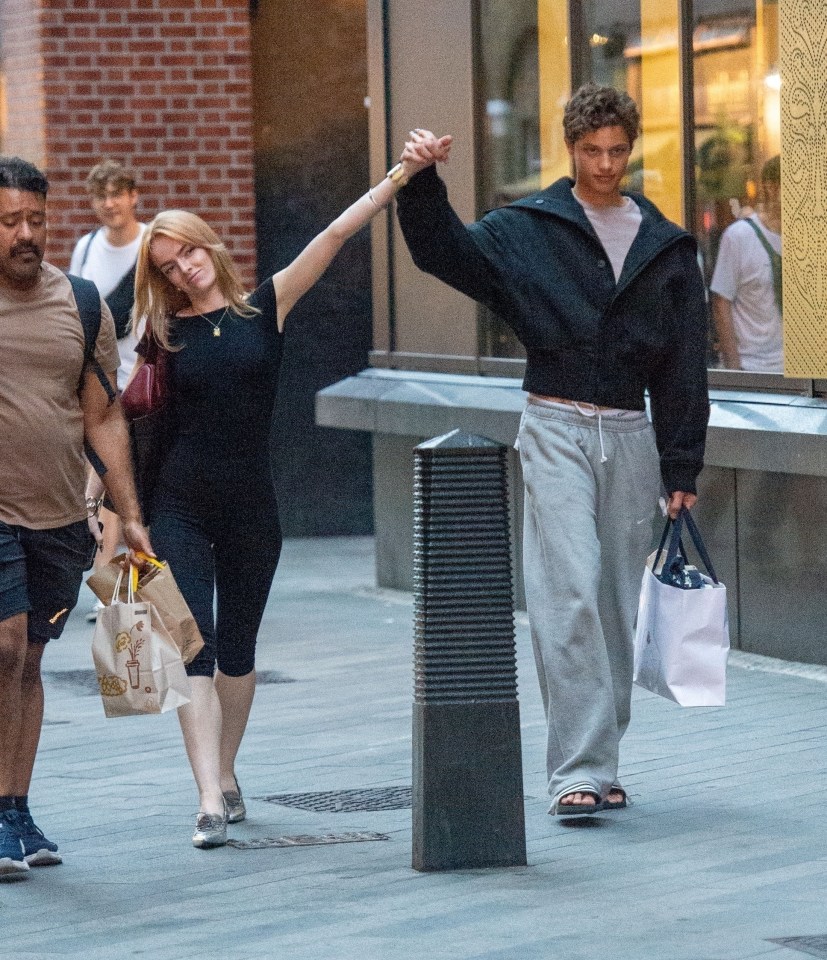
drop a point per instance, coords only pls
(216, 327)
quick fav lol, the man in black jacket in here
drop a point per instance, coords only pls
(606, 296)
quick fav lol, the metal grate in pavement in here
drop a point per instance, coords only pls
(306, 840)
(814, 946)
(346, 801)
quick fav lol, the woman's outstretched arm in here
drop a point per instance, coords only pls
(298, 277)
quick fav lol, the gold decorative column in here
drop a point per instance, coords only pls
(661, 106)
(804, 186)
(555, 86)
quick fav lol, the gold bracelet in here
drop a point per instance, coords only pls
(397, 175)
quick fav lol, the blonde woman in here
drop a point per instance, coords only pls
(214, 516)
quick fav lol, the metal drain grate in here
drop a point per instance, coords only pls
(305, 840)
(814, 946)
(346, 801)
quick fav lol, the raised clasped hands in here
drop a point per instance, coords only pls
(423, 148)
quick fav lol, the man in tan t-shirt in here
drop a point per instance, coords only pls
(51, 402)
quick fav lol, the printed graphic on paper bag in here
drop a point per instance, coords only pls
(132, 642)
(111, 686)
(649, 667)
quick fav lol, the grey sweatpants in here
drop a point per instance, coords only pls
(587, 531)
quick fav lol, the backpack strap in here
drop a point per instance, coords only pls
(88, 303)
(92, 236)
(775, 262)
(120, 300)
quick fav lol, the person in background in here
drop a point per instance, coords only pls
(214, 516)
(107, 256)
(746, 284)
(607, 298)
(52, 402)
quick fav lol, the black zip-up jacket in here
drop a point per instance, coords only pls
(539, 264)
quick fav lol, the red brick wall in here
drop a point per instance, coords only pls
(164, 85)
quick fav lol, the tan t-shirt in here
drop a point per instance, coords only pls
(42, 466)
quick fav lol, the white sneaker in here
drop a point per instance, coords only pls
(92, 616)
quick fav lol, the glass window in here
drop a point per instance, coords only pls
(510, 156)
(524, 78)
(738, 208)
(525, 63)
(633, 45)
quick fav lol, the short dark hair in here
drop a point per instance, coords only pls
(17, 174)
(593, 107)
(771, 171)
(109, 172)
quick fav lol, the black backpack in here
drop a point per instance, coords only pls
(88, 303)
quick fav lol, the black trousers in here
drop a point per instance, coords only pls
(223, 557)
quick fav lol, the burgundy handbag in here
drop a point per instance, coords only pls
(145, 403)
(146, 392)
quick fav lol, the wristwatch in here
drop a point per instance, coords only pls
(93, 505)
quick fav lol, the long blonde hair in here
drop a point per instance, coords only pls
(156, 299)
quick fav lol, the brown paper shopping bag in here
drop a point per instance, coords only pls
(159, 588)
(138, 666)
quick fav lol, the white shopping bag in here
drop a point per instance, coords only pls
(682, 635)
(138, 665)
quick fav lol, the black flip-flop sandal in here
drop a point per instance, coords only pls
(558, 809)
(616, 804)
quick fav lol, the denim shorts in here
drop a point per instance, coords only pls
(40, 574)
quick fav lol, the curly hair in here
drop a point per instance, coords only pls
(771, 171)
(593, 107)
(109, 173)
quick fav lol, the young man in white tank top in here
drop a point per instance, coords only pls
(107, 256)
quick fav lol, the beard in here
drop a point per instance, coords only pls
(21, 266)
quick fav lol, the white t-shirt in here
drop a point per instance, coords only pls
(105, 265)
(743, 275)
(616, 227)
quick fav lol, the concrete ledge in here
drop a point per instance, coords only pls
(763, 493)
(775, 433)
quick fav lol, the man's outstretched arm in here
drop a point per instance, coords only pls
(439, 242)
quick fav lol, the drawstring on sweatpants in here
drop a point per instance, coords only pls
(595, 411)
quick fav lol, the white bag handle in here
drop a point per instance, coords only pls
(130, 596)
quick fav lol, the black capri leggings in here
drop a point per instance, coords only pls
(229, 554)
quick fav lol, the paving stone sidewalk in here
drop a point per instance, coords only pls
(723, 855)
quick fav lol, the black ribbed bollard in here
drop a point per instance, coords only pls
(467, 764)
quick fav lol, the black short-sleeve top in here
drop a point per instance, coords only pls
(224, 386)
